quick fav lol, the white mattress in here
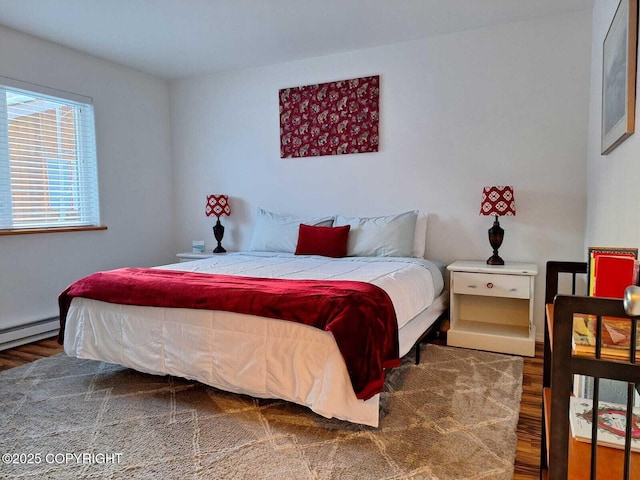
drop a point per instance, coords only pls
(253, 355)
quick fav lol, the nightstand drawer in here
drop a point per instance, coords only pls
(491, 284)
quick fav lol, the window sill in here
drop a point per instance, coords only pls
(29, 231)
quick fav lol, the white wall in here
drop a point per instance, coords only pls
(135, 170)
(502, 105)
(613, 180)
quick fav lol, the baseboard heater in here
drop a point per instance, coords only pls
(30, 332)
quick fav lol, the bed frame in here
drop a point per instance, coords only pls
(431, 332)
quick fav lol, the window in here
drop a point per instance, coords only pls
(48, 168)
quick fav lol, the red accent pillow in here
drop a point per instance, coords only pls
(326, 241)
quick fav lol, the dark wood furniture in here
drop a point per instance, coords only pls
(577, 272)
(556, 272)
(562, 457)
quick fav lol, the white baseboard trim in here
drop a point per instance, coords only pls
(31, 332)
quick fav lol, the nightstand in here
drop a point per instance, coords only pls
(191, 256)
(491, 307)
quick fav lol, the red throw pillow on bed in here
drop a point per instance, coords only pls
(326, 241)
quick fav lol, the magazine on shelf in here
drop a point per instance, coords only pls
(616, 336)
(609, 390)
(612, 423)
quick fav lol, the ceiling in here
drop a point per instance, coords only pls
(174, 39)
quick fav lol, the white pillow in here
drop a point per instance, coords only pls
(388, 236)
(420, 238)
(273, 232)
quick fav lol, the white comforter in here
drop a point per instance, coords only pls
(409, 282)
(240, 353)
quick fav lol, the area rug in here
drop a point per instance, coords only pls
(454, 416)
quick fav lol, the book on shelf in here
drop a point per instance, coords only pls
(608, 390)
(616, 336)
(611, 419)
(611, 270)
(613, 275)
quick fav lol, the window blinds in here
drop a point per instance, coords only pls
(48, 167)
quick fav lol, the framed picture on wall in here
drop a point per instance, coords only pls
(619, 76)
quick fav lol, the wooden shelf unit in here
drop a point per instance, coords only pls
(563, 457)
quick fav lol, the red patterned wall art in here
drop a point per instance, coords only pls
(330, 118)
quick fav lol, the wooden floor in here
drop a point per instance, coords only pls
(14, 357)
(527, 465)
(528, 450)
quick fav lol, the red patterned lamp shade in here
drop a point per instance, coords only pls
(218, 205)
(498, 201)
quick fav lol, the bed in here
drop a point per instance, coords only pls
(255, 355)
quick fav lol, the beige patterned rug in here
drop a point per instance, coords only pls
(454, 416)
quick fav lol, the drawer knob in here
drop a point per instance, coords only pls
(489, 285)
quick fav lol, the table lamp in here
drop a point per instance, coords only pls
(218, 205)
(497, 200)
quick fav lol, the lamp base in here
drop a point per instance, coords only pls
(495, 260)
(496, 234)
(218, 232)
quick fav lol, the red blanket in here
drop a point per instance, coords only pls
(360, 316)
